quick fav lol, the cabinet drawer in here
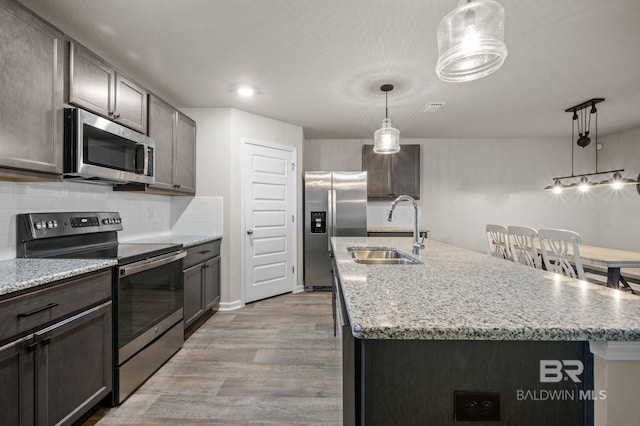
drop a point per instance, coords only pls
(24, 313)
(200, 253)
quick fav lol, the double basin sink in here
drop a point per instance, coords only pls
(380, 256)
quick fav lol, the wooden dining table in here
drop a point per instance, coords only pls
(597, 258)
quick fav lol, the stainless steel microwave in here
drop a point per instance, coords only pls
(101, 151)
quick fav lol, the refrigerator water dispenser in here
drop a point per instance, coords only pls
(318, 222)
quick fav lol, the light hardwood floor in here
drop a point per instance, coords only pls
(275, 361)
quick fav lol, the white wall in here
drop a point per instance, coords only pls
(467, 183)
(219, 139)
(619, 214)
(213, 173)
(143, 215)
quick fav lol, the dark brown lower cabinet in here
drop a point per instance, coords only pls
(55, 375)
(201, 280)
(17, 404)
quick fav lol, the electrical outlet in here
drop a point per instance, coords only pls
(476, 406)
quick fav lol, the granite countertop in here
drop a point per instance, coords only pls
(186, 240)
(394, 229)
(459, 294)
(22, 274)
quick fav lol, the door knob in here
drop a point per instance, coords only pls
(249, 231)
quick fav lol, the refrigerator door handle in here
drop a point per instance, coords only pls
(331, 216)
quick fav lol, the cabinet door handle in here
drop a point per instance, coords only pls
(35, 311)
(204, 252)
(46, 341)
(32, 346)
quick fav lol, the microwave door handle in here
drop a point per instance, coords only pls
(146, 161)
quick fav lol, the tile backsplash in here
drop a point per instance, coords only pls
(196, 216)
(143, 215)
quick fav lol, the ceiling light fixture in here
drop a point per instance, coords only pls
(581, 119)
(471, 41)
(245, 91)
(386, 140)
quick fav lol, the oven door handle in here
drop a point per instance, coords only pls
(144, 265)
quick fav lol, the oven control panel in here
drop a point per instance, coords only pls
(45, 225)
(84, 221)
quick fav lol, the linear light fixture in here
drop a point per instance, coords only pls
(583, 181)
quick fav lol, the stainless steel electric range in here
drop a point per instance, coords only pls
(147, 286)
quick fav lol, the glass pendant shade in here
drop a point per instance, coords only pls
(386, 140)
(471, 41)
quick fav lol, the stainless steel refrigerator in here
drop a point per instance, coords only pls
(335, 205)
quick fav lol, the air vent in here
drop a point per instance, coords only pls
(433, 106)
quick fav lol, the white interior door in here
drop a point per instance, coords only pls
(269, 229)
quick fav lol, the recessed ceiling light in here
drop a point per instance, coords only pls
(245, 91)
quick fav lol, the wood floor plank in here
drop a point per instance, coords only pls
(247, 408)
(270, 386)
(273, 362)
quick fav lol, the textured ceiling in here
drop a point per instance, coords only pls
(319, 63)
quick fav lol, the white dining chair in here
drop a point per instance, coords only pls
(559, 241)
(523, 245)
(497, 240)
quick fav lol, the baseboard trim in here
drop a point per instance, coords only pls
(231, 306)
(299, 289)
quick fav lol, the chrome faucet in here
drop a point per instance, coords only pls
(417, 245)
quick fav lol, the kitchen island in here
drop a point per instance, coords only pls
(464, 321)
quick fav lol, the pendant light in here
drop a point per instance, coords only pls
(386, 140)
(581, 119)
(471, 41)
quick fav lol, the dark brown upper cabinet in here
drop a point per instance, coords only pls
(390, 175)
(96, 86)
(175, 136)
(32, 56)
(175, 162)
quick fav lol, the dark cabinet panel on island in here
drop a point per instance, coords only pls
(414, 382)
